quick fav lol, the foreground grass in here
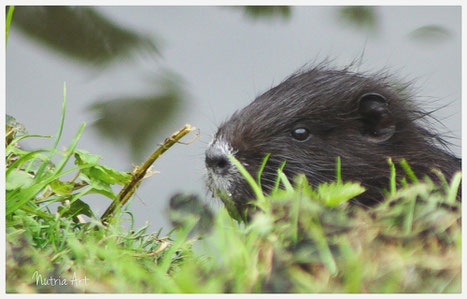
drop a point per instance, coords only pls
(301, 239)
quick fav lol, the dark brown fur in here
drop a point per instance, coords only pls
(326, 102)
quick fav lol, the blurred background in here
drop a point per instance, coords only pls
(137, 74)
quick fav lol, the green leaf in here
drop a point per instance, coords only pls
(100, 172)
(98, 186)
(333, 194)
(62, 188)
(84, 157)
(18, 179)
(107, 175)
(78, 207)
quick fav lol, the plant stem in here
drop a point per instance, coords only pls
(139, 173)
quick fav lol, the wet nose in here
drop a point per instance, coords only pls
(217, 161)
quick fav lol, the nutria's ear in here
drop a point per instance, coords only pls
(377, 119)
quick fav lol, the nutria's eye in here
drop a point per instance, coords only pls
(301, 134)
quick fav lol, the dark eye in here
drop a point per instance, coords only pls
(301, 134)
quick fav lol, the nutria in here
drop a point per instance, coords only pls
(318, 114)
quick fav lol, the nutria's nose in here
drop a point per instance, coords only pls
(217, 161)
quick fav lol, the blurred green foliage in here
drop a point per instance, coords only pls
(136, 121)
(80, 33)
(360, 17)
(366, 18)
(85, 35)
(430, 34)
(267, 12)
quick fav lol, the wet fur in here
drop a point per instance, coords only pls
(326, 101)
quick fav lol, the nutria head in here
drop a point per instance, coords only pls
(315, 116)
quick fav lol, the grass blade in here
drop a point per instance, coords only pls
(256, 189)
(70, 149)
(408, 170)
(392, 177)
(16, 140)
(261, 168)
(453, 187)
(20, 198)
(57, 139)
(278, 179)
(23, 159)
(9, 17)
(338, 171)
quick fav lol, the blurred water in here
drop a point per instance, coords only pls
(225, 60)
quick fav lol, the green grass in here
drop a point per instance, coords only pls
(301, 238)
(9, 17)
